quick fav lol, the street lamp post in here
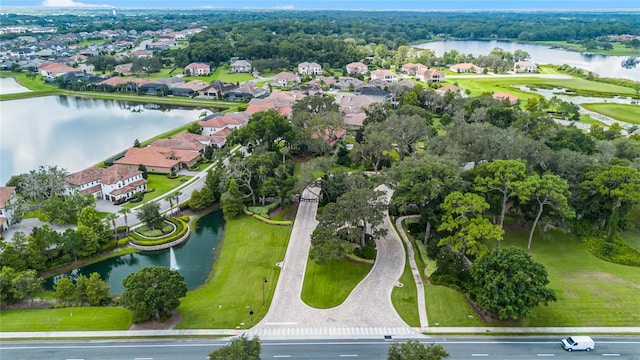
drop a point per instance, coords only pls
(264, 281)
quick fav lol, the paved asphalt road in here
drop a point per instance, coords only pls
(502, 348)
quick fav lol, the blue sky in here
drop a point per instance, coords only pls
(341, 4)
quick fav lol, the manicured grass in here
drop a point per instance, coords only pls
(627, 113)
(404, 298)
(505, 84)
(163, 184)
(66, 319)
(248, 254)
(447, 307)
(165, 73)
(591, 121)
(329, 284)
(590, 291)
(632, 238)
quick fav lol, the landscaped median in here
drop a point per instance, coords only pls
(180, 234)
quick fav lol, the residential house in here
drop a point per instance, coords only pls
(285, 79)
(216, 122)
(221, 89)
(357, 68)
(384, 75)
(7, 197)
(115, 183)
(246, 91)
(184, 141)
(241, 66)
(450, 88)
(323, 81)
(307, 68)
(525, 66)
(412, 69)
(353, 107)
(124, 69)
(309, 90)
(197, 69)
(466, 68)
(122, 84)
(375, 93)
(348, 83)
(193, 88)
(430, 75)
(505, 96)
(158, 159)
(281, 101)
(50, 69)
(154, 89)
(142, 54)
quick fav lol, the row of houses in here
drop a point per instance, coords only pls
(518, 67)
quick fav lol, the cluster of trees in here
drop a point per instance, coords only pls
(45, 247)
(16, 286)
(92, 291)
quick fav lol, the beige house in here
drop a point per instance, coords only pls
(466, 68)
(285, 79)
(525, 66)
(241, 66)
(384, 75)
(198, 69)
(357, 68)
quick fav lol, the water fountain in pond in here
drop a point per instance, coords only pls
(173, 264)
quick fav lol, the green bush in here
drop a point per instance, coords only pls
(614, 250)
(267, 221)
(181, 229)
(264, 210)
(167, 229)
(184, 218)
(367, 252)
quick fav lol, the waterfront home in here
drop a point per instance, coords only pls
(184, 141)
(525, 66)
(159, 159)
(115, 183)
(466, 68)
(50, 69)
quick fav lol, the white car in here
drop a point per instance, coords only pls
(578, 343)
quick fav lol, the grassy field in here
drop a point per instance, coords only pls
(627, 113)
(591, 121)
(505, 84)
(222, 75)
(404, 298)
(632, 238)
(328, 285)
(66, 319)
(163, 184)
(447, 307)
(248, 254)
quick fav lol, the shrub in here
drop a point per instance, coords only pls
(614, 250)
(367, 252)
(264, 210)
(167, 229)
(181, 229)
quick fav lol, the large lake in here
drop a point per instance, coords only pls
(605, 66)
(74, 133)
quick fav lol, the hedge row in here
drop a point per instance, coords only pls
(267, 221)
(181, 229)
(614, 250)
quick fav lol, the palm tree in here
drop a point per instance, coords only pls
(112, 218)
(169, 198)
(177, 196)
(125, 211)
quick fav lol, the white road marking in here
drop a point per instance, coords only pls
(349, 355)
(479, 354)
(143, 359)
(281, 356)
(610, 354)
(281, 323)
(546, 355)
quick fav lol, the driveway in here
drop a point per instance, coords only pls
(367, 311)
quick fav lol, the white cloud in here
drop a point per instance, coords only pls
(69, 3)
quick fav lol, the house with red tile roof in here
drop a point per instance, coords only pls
(51, 70)
(430, 75)
(214, 123)
(357, 68)
(466, 68)
(197, 69)
(411, 69)
(184, 141)
(450, 88)
(505, 96)
(7, 197)
(161, 160)
(115, 183)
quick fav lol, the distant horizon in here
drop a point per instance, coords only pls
(363, 5)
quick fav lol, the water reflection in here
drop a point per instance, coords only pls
(195, 258)
(603, 65)
(74, 133)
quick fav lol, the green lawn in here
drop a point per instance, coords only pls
(328, 285)
(447, 307)
(627, 113)
(66, 319)
(591, 121)
(598, 293)
(632, 238)
(248, 254)
(404, 298)
(163, 184)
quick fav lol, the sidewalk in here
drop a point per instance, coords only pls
(326, 333)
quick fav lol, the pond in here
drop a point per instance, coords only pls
(10, 86)
(194, 258)
(605, 66)
(74, 133)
